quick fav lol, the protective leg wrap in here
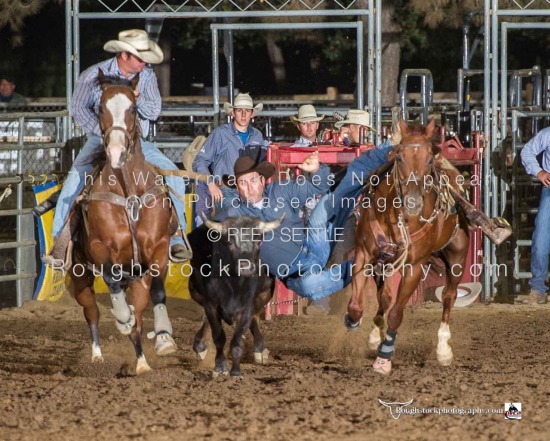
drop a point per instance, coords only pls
(162, 322)
(386, 348)
(121, 311)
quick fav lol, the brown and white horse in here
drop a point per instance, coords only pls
(127, 232)
(419, 220)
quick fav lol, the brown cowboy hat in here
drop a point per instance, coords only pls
(246, 165)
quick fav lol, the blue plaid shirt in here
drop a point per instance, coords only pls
(86, 95)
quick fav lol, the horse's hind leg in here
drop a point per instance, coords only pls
(455, 258)
(85, 297)
(352, 319)
(164, 343)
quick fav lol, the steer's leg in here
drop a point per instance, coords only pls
(261, 353)
(218, 335)
(199, 342)
(237, 342)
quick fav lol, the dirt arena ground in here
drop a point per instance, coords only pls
(318, 386)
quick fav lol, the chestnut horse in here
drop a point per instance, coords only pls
(419, 219)
(127, 217)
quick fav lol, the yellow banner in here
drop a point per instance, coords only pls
(52, 283)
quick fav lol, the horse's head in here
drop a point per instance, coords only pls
(414, 160)
(118, 118)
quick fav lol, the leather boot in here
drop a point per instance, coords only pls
(497, 229)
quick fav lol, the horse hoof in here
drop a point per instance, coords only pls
(261, 357)
(445, 360)
(382, 366)
(142, 366)
(97, 359)
(350, 325)
(165, 344)
(216, 374)
(201, 355)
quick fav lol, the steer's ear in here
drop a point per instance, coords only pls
(266, 227)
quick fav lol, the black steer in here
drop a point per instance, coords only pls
(229, 283)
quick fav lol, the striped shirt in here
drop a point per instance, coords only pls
(86, 95)
(530, 152)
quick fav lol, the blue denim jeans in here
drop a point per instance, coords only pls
(540, 248)
(309, 276)
(313, 279)
(83, 165)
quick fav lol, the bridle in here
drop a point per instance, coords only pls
(127, 135)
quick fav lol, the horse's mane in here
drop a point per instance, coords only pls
(114, 81)
(416, 129)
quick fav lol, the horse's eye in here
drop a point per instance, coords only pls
(399, 158)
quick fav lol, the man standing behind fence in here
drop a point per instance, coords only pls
(540, 249)
(223, 147)
(134, 50)
(307, 122)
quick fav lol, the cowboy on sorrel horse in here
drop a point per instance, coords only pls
(127, 216)
(419, 220)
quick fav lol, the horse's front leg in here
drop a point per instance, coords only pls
(384, 303)
(352, 319)
(455, 259)
(164, 343)
(409, 282)
(123, 313)
(140, 299)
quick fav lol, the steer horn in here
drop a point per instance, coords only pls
(211, 224)
(266, 227)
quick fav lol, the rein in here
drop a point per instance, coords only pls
(442, 205)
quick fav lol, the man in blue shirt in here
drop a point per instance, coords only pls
(134, 50)
(223, 147)
(541, 239)
(295, 254)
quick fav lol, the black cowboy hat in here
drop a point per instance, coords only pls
(246, 165)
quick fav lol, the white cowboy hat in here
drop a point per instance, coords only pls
(467, 293)
(243, 101)
(137, 42)
(356, 116)
(306, 113)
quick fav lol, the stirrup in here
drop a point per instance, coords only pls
(182, 252)
(498, 235)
